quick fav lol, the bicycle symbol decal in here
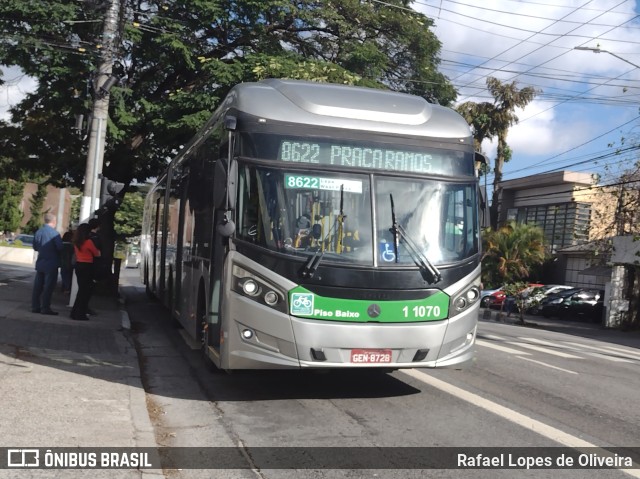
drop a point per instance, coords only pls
(302, 304)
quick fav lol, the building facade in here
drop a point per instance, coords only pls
(568, 207)
(57, 202)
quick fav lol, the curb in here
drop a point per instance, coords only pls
(125, 321)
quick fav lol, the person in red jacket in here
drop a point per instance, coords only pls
(86, 251)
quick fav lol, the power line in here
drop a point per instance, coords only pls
(517, 14)
(524, 30)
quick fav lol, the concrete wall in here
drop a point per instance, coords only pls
(626, 250)
(17, 255)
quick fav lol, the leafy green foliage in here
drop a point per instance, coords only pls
(177, 59)
(128, 218)
(489, 120)
(36, 202)
(10, 198)
(511, 253)
(74, 216)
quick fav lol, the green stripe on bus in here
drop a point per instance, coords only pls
(305, 304)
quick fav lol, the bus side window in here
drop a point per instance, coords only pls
(200, 196)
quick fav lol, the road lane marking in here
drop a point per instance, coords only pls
(621, 350)
(547, 365)
(544, 350)
(607, 349)
(504, 349)
(577, 348)
(615, 359)
(548, 343)
(515, 417)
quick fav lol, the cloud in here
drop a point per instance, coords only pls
(15, 87)
(583, 95)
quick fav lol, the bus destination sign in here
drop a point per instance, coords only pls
(374, 157)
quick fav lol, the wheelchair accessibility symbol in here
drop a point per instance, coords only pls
(302, 304)
(386, 253)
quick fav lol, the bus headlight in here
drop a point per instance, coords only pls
(253, 286)
(473, 294)
(465, 298)
(271, 298)
(250, 287)
(460, 303)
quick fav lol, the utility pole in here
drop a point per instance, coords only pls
(102, 84)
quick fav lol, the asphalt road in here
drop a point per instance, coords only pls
(529, 388)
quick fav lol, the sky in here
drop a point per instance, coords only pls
(587, 101)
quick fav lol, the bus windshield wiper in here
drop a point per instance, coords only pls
(426, 266)
(313, 262)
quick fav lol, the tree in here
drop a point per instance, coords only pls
(494, 120)
(10, 196)
(36, 202)
(617, 213)
(74, 215)
(128, 218)
(511, 252)
(176, 60)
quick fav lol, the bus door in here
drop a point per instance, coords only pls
(222, 200)
(217, 263)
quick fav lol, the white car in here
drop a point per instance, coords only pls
(132, 259)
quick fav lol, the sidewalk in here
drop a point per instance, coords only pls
(68, 383)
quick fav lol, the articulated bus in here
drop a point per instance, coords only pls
(313, 225)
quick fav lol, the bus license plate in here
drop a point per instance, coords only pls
(370, 356)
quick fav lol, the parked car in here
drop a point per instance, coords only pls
(26, 240)
(132, 258)
(576, 303)
(499, 297)
(534, 300)
(485, 298)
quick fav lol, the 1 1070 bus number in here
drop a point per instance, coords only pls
(422, 311)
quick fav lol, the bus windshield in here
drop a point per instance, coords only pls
(303, 213)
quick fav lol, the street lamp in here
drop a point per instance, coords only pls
(600, 50)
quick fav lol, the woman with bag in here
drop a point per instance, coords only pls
(85, 251)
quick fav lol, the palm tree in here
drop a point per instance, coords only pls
(491, 120)
(511, 252)
(507, 98)
(479, 116)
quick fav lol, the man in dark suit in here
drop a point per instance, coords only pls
(48, 243)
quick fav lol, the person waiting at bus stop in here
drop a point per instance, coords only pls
(86, 251)
(48, 243)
